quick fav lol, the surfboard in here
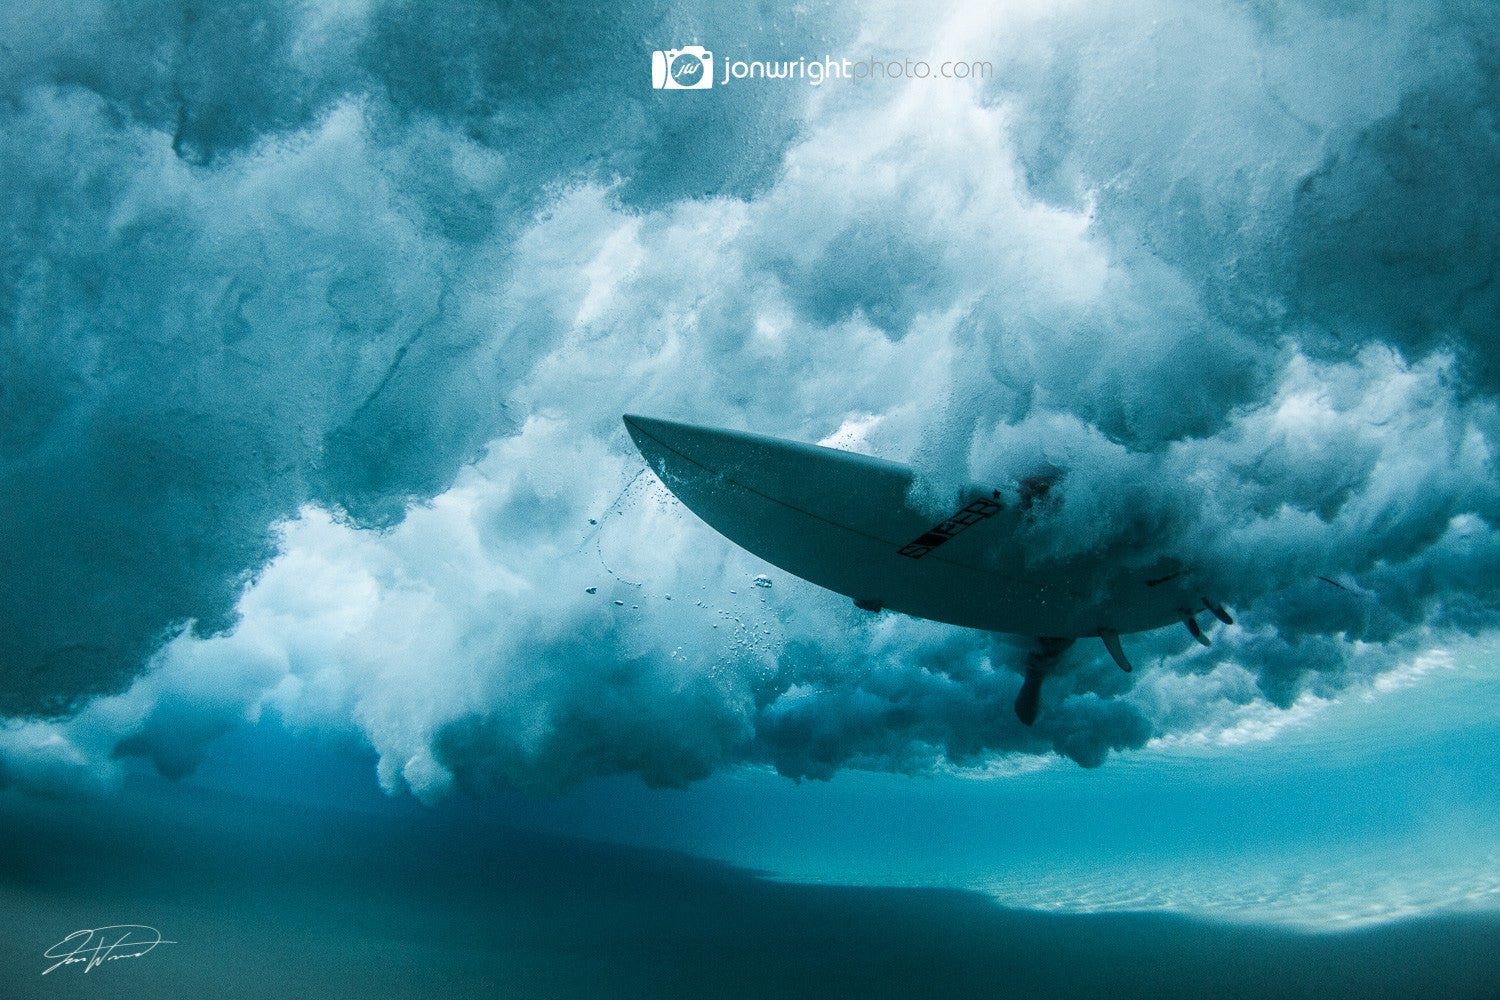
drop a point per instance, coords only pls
(848, 522)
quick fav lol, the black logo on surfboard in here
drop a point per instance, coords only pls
(962, 521)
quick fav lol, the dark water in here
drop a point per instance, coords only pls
(278, 901)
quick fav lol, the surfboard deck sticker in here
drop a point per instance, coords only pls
(844, 521)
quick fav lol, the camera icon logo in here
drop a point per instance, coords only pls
(688, 68)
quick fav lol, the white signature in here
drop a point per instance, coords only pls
(104, 944)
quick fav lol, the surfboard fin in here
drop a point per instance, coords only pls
(1040, 660)
(1112, 643)
(1030, 698)
(1192, 626)
(868, 604)
(1218, 611)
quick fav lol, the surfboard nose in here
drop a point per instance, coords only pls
(638, 426)
(669, 441)
(770, 465)
(653, 437)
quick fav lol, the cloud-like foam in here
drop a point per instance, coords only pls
(258, 258)
(316, 349)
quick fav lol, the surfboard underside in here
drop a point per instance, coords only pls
(846, 522)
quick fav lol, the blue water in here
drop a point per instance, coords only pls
(274, 900)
